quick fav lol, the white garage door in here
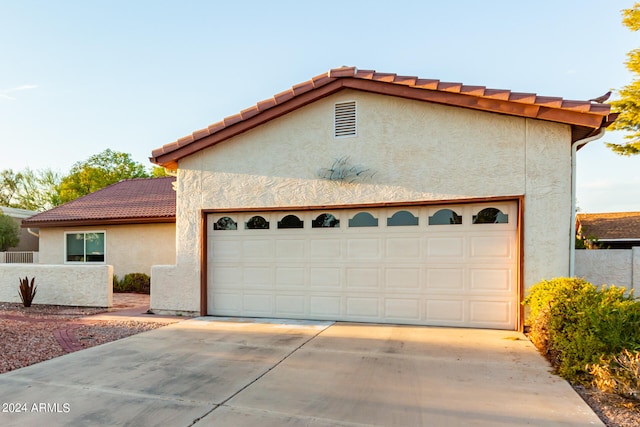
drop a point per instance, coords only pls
(433, 265)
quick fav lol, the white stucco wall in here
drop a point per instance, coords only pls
(619, 267)
(130, 248)
(90, 286)
(417, 151)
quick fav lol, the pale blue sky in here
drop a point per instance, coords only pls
(77, 77)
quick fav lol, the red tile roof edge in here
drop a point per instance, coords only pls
(610, 225)
(134, 201)
(595, 115)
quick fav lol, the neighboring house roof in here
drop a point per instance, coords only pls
(135, 201)
(585, 118)
(609, 226)
(16, 213)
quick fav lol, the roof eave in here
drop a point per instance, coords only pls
(98, 222)
(583, 123)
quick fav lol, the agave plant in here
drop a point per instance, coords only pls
(27, 291)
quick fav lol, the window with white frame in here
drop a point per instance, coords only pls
(85, 247)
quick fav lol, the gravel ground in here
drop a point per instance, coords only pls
(27, 334)
(26, 337)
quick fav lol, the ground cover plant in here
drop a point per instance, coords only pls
(590, 335)
(132, 282)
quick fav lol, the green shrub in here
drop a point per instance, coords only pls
(575, 324)
(132, 282)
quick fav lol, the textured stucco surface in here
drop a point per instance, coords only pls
(413, 151)
(90, 286)
(130, 248)
(619, 267)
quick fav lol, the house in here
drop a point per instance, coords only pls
(616, 230)
(373, 197)
(28, 245)
(129, 225)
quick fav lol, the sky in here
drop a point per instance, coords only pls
(78, 77)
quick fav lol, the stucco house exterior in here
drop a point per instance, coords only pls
(373, 197)
(129, 225)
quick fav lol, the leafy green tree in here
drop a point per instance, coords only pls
(9, 233)
(98, 171)
(629, 103)
(28, 189)
(158, 172)
(9, 183)
(38, 190)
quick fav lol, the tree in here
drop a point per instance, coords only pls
(28, 189)
(9, 233)
(98, 171)
(158, 172)
(9, 183)
(629, 103)
(38, 190)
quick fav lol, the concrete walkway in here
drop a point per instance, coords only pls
(240, 372)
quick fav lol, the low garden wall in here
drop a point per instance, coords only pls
(620, 267)
(90, 286)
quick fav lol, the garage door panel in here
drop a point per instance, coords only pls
(291, 249)
(403, 278)
(325, 277)
(491, 312)
(226, 276)
(288, 277)
(461, 274)
(257, 304)
(290, 305)
(364, 249)
(325, 249)
(491, 247)
(226, 303)
(325, 306)
(365, 278)
(445, 247)
(257, 277)
(446, 279)
(405, 249)
(488, 279)
(443, 311)
(362, 307)
(402, 309)
(225, 249)
(258, 248)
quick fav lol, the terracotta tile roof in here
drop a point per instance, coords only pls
(608, 226)
(126, 202)
(585, 117)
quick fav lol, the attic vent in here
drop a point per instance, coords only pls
(345, 119)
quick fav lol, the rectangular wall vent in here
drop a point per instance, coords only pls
(345, 119)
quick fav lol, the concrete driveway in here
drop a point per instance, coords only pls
(240, 372)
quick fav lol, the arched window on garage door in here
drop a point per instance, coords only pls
(363, 219)
(491, 216)
(225, 223)
(402, 218)
(325, 220)
(291, 221)
(445, 217)
(256, 223)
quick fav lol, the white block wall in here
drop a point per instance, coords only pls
(90, 286)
